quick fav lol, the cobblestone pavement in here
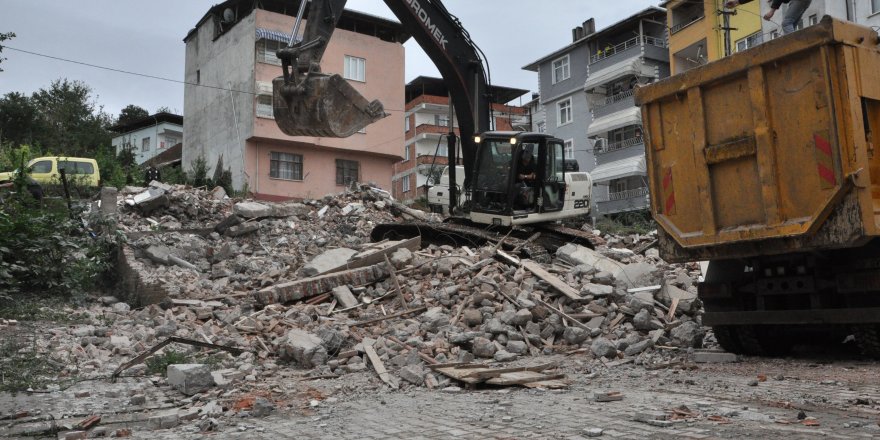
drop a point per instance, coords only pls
(842, 396)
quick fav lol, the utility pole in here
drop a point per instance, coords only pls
(725, 19)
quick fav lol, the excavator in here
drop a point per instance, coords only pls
(507, 197)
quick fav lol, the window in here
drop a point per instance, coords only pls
(563, 112)
(198, 76)
(145, 144)
(774, 35)
(355, 68)
(542, 127)
(561, 69)
(404, 182)
(569, 149)
(266, 50)
(748, 42)
(285, 166)
(74, 167)
(264, 107)
(441, 120)
(346, 171)
(618, 186)
(875, 6)
(170, 141)
(41, 167)
(814, 19)
(406, 124)
(406, 155)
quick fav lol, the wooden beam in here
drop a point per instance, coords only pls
(553, 280)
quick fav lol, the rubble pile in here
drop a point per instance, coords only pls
(300, 284)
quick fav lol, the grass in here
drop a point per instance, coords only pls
(22, 366)
(159, 363)
(33, 308)
(636, 222)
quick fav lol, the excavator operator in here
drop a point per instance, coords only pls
(525, 178)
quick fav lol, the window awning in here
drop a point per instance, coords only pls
(631, 66)
(269, 34)
(630, 116)
(630, 166)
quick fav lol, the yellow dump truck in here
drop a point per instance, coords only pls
(764, 163)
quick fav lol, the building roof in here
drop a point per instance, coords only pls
(171, 156)
(379, 27)
(148, 121)
(426, 85)
(647, 12)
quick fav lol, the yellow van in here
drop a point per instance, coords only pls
(47, 170)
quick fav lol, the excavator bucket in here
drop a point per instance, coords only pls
(322, 106)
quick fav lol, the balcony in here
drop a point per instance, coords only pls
(685, 23)
(614, 103)
(629, 200)
(628, 46)
(616, 146)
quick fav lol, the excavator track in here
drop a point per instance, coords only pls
(534, 242)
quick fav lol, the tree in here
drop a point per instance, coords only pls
(131, 113)
(19, 119)
(165, 109)
(73, 124)
(4, 37)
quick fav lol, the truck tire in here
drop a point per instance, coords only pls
(760, 340)
(727, 338)
(868, 338)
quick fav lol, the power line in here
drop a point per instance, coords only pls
(144, 75)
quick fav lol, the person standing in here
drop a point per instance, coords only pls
(793, 14)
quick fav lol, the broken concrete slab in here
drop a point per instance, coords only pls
(714, 357)
(328, 261)
(190, 379)
(577, 255)
(345, 297)
(309, 287)
(252, 210)
(302, 347)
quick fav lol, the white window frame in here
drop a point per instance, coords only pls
(355, 68)
(875, 6)
(542, 127)
(145, 144)
(293, 160)
(568, 111)
(406, 126)
(564, 69)
(266, 51)
(568, 148)
(405, 184)
(774, 34)
(406, 155)
(813, 19)
(262, 109)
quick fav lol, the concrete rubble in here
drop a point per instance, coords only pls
(274, 279)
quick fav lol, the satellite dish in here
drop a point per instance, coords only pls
(228, 15)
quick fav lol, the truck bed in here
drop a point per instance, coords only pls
(770, 150)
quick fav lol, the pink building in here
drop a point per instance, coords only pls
(230, 64)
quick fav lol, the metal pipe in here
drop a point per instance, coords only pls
(299, 17)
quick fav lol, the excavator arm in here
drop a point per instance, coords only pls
(311, 103)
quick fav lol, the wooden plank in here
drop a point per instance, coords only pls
(378, 365)
(671, 315)
(396, 283)
(553, 280)
(495, 372)
(547, 384)
(563, 314)
(385, 318)
(522, 377)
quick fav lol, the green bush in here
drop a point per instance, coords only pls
(634, 222)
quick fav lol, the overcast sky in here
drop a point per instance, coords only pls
(147, 37)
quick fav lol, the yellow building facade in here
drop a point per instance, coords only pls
(696, 31)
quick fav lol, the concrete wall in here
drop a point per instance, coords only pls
(219, 121)
(319, 170)
(861, 12)
(579, 58)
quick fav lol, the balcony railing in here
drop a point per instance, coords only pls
(614, 146)
(685, 24)
(611, 51)
(624, 195)
(619, 97)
